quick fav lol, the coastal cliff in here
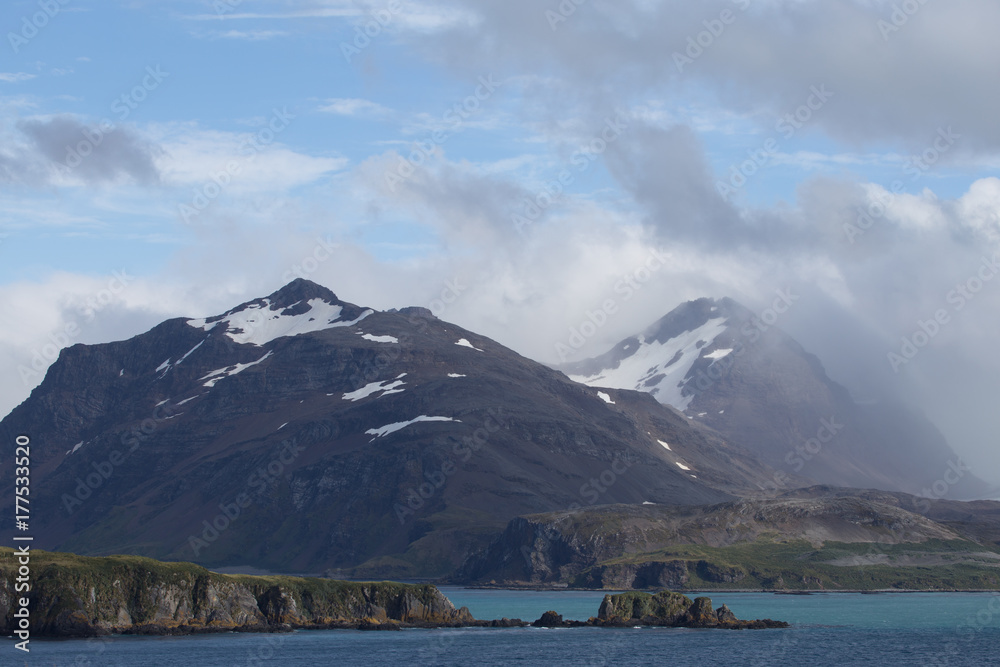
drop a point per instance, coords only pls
(76, 596)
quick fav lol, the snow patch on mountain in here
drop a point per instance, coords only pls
(380, 339)
(259, 324)
(605, 397)
(718, 354)
(681, 465)
(230, 371)
(660, 367)
(189, 352)
(456, 375)
(665, 445)
(465, 343)
(374, 388)
(398, 426)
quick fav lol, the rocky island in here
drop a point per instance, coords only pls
(77, 596)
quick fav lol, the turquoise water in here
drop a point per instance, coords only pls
(932, 629)
(880, 611)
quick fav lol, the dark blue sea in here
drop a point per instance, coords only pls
(827, 629)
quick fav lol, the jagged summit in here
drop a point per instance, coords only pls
(301, 289)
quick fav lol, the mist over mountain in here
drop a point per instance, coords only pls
(730, 369)
(300, 432)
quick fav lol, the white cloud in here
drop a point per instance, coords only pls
(191, 156)
(249, 35)
(355, 107)
(15, 77)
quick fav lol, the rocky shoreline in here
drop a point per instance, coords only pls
(76, 596)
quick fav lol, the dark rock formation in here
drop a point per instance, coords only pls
(549, 619)
(672, 610)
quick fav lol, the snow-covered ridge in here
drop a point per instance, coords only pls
(660, 368)
(259, 324)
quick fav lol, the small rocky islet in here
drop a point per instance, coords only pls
(78, 596)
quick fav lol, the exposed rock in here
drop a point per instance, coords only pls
(701, 614)
(629, 547)
(74, 596)
(726, 616)
(671, 609)
(549, 619)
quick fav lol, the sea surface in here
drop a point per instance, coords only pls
(827, 629)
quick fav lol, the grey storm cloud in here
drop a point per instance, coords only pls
(897, 71)
(665, 170)
(93, 153)
(894, 76)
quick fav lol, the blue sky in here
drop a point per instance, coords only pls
(328, 129)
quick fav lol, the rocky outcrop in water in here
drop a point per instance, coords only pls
(75, 596)
(672, 610)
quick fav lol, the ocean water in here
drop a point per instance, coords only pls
(932, 629)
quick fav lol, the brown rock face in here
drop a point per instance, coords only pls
(701, 614)
(673, 610)
(74, 596)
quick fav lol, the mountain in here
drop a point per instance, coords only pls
(743, 377)
(815, 538)
(301, 433)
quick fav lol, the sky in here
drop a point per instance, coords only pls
(516, 166)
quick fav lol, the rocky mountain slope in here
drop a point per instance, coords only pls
(726, 368)
(813, 538)
(301, 433)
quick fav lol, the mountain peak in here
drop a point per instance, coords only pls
(299, 307)
(693, 314)
(300, 290)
